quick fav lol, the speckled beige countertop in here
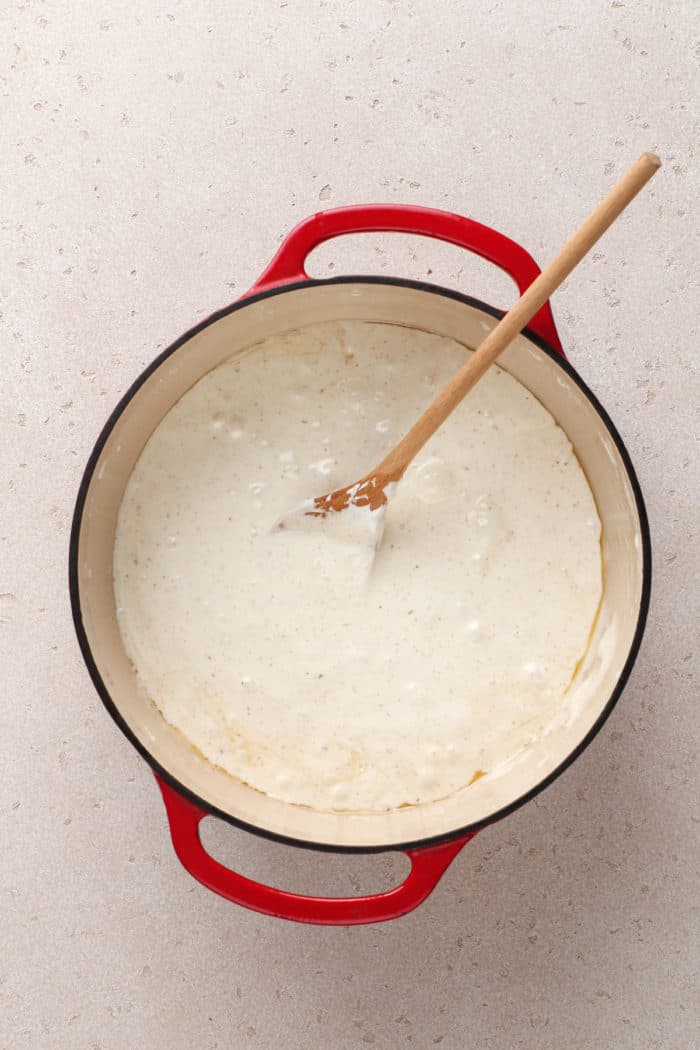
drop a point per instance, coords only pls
(153, 154)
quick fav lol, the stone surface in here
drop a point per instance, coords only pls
(152, 157)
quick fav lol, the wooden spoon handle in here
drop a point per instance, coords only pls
(394, 465)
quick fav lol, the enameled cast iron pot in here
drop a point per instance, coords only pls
(284, 298)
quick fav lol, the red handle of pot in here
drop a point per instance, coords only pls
(428, 864)
(288, 264)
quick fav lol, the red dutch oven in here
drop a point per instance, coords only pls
(283, 299)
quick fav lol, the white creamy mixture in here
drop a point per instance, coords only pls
(302, 663)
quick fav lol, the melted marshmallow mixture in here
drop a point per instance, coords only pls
(302, 662)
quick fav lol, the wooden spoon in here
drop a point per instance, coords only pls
(373, 490)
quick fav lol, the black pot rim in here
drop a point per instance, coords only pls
(237, 821)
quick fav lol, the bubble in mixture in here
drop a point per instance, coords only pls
(434, 480)
(228, 423)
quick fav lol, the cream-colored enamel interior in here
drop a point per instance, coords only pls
(390, 304)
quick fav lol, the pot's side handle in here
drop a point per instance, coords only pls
(288, 264)
(428, 864)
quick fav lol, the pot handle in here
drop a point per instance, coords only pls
(288, 264)
(428, 864)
